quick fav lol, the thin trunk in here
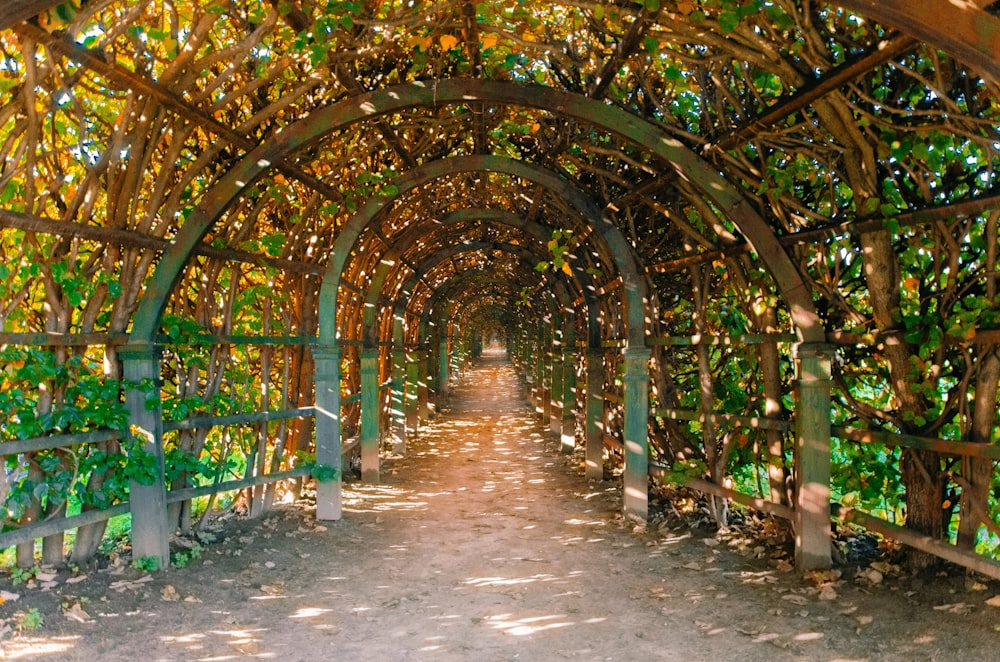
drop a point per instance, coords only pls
(26, 551)
(777, 471)
(978, 472)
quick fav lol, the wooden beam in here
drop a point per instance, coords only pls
(132, 238)
(924, 543)
(748, 500)
(13, 12)
(815, 90)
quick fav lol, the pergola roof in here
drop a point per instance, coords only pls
(625, 171)
(710, 127)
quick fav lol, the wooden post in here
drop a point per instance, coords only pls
(567, 431)
(595, 414)
(423, 404)
(369, 416)
(545, 364)
(556, 403)
(539, 359)
(443, 365)
(636, 476)
(150, 526)
(326, 377)
(411, 393)
(398, 410)
(812, 458)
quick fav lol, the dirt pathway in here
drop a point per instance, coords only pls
(484, 543)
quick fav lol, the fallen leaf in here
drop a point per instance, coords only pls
(76, 580)
(269, 564)
(711, 542)
(77, 614)
(124, 584)
(191, 598)
(874, 576)
(994, 601)
(692, 566)
(954, 608)
(795, 598)
(272, 589)
(169, 594)
(827, 593)
(865, 619)
(46, 577)
(8, 596)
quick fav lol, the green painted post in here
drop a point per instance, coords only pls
(326, 377)
(369, 416)
(812, 458)
(556, 402)
(411, 397)
(431, 360)
(423, 402)
(594, 431)
(546, 356)
(150, 527)
(443, 366)
(538, 392)
(636, 478)
(567, 432)
(398, 411)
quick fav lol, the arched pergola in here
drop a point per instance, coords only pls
(704, 204)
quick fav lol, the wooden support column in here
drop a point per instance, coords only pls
(545, 361)
(443, 366)
(636, 476)
(411, 394)
(556, 402)
(148, 502)
(369, 416)
(423, 401)
(326, 377)
(539, 363)
(398, 411)
(812, 458)
(567, 432)
(431, 365)
(594, 426)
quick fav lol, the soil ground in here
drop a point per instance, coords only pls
(485, 543)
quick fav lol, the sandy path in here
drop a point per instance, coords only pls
(484, 543)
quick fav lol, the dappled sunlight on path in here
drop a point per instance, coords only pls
(483, 543)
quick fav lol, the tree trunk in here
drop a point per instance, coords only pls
(26, 550)
(53, 546)
(978, 472)
(925, 486)
(88, 541)
(89, 537)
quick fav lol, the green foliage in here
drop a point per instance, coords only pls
(31, 619)
(324, 473)
(146, 563)
(183, 559)
(22, 575)
(684, 470)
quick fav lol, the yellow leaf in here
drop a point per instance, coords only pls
(536, 127)
(420, 42)
(490, 40)
(566, 269)
(448, 42)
